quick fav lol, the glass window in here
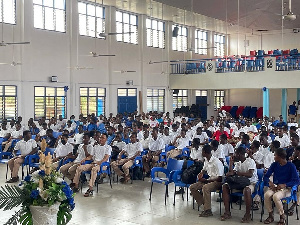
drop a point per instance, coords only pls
(8, 102)
(156, 100)
(49, 102)
(91, 19)
(127, 23)
(92, 100)
(219, 44)
(155, 33)
(179, 43)
(8, 11)
(127, 91)
(201, 42)
(219, 99)
(201, 93)
(50, 15)
(180, 99)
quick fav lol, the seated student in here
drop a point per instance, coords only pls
(255, 154)
(117, 145)
(286, 177)
(156, 145)
(50, 140)
(27, 146)
(264, 144)
(296, 161)
(294, 143)
(69, 127)
(180, 142)
(269, 156)
(43, 130)
(33, 129)
(203, 138)
(244, 167)
(100, 154)
(131, 151)
(84, 151)
(111, 135)
(226, 147)
(64, 149)
(145, 141)
(196, 150)
(216, 151)
(206, 130)
(78, 137)
(126, 138)
(214, 168)
(167, 138)
(17, 134)
(4, 132)
(283, 138)
(218, 133)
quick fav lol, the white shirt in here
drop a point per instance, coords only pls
(258, 157)
(213, 167)
(156, 145)
(284, 140)
(42, 132)
(257, 137)
(26, 147)
(132, 148)
(120, 145)
(182, 142)
(196, 154)
(264, 150)
(145, 143)
(3, 133)
(251, 128)
(63, 150)
(227, 149)
(190, 134)
(203, 137)
(81, 152)
(100, 151)
(219, 153)
(268, 159)
(17, 133)
(140, 135)
(167, 139)
(153, 123)
(248, 164)
(78, 138)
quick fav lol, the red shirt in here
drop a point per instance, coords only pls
(218, 133)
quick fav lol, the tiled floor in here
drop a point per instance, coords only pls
(129, 204)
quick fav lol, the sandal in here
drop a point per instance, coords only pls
(246, 219)
(206, 213)
(291, 210)
(282, 221)
(269, 220)
(88, 193)
(255, 206)
(225, 216)
(75, 190)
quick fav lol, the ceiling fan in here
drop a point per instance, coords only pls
(125, 71)
(94, 54)
(114, 33)
(80, 68)
(290, 15)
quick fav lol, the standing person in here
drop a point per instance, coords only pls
(298, 112)
(292, 111)
(286, 177)
(27, 146)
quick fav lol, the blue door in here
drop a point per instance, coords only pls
(202, 102)
(127, 103)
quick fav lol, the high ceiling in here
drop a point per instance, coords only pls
(212, 14)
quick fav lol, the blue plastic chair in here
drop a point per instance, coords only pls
(172, 166)
(178, 183)
(5, 161)
(185, 153)
(107, 171)
(163, 155)
(56, 134)
(293, 199)
(138, 162)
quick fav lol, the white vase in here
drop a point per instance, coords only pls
(44, 215)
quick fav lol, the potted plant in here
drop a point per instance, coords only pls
(44, 197)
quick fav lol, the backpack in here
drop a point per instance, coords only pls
(137, 173)
(189, 175)
(237, 182)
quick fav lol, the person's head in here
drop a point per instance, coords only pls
(293, 130)
(297, 152)
(174, 127)
(255, 146)
(133, 137)
(182, 133)
(86, 138)
(239, 154)
(280, 131)
(263, 140)
(154, 132)
(20, 119)
(223, 139)
(44, 125)
(214, 144)
(80, 128)
(103, 139)
(274, 145)
(26, 135)
(60, 117)
(221, 128)
(3, 126)
(18, 126)
(199, 130)
(69, 123)
(49, 133)
(110, 131)
(166, 131)
(118, 136)
(263, 129)
(12, 122)
(294, 103)
(64, 139)
(245, 139)
(206, 151)
(280, 155)
(196, 143)
(120, 128)
(294, 140)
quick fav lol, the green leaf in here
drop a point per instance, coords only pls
(10, 197)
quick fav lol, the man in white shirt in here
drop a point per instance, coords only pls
(216, 151)
(167, 138)
(226, 147)
(27, 146)
(64, 149)
(101, 153)
(156, 146)
(245, 167)
(4, 131)
(180, 143)
(201, 135)
(85, 150)
(131, 150)
(283, 138)
(249, 128)
(16, 134)
(214, 168)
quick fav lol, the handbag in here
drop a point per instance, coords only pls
(237, 182)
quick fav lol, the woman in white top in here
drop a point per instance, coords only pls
(196, 150)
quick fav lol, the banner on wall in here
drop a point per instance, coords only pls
(210, 67)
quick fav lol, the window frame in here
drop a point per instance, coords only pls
(97, 96)
(218, 45)
(176, 39)
(219, 99)
(129, 25)
(152, 97)
(54, 18)
(201, 93)
(103, 18)
(151, 29)
(201, 41)
(4, 96)
(45, 104)
(181, 96)
(2, 13)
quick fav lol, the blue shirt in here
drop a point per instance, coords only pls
(292, 109)
(286, 174)
(91, 127)
(101, 128)
(126, 140)
(110, 138)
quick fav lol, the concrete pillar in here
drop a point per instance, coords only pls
(266, 102)
(284, 104)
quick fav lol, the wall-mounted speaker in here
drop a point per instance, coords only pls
(175, 32)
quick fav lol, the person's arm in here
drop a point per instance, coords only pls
(248, 174)
(88, 156)
(120, 154)
(294, 177)
(105, 159)
(133, 157)
(218, 179)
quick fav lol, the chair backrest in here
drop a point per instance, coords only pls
(260, 174)
(174, 164)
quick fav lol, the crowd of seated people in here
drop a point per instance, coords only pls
(226, 147)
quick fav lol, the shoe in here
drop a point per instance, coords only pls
(75, 190)
(206, 213)
(72, 185)
(12, 180)
(88, 193)
(148, 174)
(219, 199)
(180, 191)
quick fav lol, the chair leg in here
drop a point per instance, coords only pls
(193, 203)
(97, 184)
(166, 194)
(220, 203)
(151, 191)
(174, 195)
(167, 190)
(240, 203)
(187, 194)
(252, 210)
(297, 212)
(110, 180)
(262, 211)
(182, 194)
(6, 171)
